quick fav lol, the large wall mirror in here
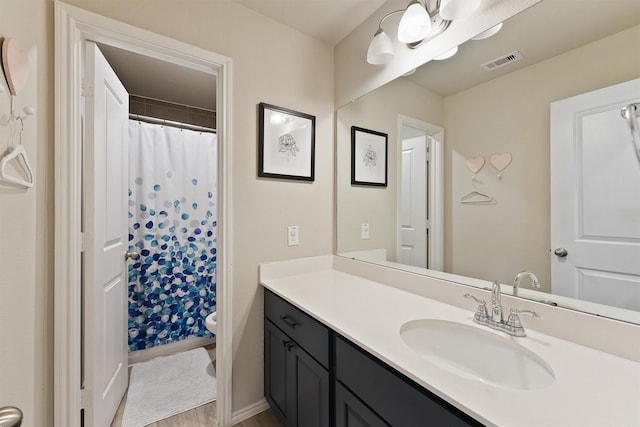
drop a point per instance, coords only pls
(481, 185)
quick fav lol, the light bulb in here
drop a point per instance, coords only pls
(415, 24)
(380, 49)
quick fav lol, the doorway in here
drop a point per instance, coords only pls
(419, 194)
(75, 27)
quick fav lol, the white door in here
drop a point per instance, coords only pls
(105, 240)
(595, 198)
(413, 201)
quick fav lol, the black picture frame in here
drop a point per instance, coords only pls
(369, 150)
(286, 143)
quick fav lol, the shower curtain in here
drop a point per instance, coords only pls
(172, 225)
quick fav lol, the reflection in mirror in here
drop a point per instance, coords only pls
(505, 190)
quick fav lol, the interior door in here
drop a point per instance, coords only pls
(595, 198)
(413, 201)
(105, 240)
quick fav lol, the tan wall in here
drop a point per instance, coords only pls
(26, 285)
(511, 114)
(272, 63)
(376, 206)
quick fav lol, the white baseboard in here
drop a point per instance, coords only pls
(168, 349)
(249, 411)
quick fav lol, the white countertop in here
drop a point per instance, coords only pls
(591, 388)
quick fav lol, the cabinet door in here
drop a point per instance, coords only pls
(310, 387)
(277, 370)
(399, 400)
(351, 412)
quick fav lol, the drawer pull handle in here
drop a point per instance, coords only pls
(289, 321)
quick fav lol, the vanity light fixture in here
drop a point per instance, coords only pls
(488, 33)
(457, 9)
(448, 54)
(415, 23)
(421, 21)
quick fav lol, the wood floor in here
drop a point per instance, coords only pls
(202, 416)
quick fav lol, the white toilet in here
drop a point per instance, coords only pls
(211, 323)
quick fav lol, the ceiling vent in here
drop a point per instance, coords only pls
(502, 61)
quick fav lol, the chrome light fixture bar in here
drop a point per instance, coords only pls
(419, 24)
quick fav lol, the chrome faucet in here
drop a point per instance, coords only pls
(495, 319)
(496, 303)
(516, 283)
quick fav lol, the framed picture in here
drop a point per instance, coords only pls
(368, 157)
(286, 143)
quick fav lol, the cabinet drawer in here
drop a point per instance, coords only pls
(310, 334)
(396, 398)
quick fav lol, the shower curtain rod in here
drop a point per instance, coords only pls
(171, 123)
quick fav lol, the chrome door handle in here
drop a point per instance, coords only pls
(10, 417)
(561, 252)
(133, 255)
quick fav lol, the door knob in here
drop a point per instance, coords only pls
(561, 252)
(10, 417)
(133, 255)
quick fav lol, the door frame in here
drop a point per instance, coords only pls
(73, 26)
(435, 241)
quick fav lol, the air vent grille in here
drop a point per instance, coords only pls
(502, 61)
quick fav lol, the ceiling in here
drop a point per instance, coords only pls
(157, 79)
(541, 32)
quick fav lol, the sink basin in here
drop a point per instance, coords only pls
(474, 353)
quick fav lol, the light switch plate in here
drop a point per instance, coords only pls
(293, 235)
(364, 231)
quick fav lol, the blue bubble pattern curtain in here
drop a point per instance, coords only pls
(172, 225)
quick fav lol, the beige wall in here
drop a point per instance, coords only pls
(376, 206)
(272, 63)
(511, 114)
(26, 285)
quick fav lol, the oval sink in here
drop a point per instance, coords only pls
(473, 353)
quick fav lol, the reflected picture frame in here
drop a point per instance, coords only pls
(286, 143)
(369, 151)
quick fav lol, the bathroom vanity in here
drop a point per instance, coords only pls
(335, 354)
(305, 361)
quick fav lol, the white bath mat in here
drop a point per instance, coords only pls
(166, 386)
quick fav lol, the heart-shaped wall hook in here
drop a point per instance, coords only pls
(500, 161)
(474, 164)
(16, 66)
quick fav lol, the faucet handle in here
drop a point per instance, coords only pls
(482, 313)
(516, 312)
(513, 321)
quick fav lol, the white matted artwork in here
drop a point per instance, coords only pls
(286, 143)
(368, 157)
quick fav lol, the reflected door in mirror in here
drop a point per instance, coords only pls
(595, 198)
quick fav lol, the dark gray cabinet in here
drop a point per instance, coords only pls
(315, 377)
(297, 384)
(352, 412)
(394, 397)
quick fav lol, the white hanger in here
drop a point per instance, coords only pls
(482, 197)
(18, 153)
